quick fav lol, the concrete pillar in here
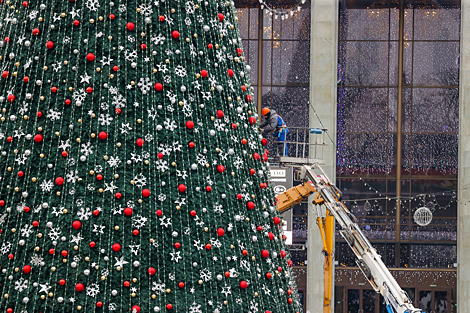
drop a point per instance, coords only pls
(463, 195)
(323, 71)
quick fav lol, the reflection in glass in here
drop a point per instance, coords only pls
(353, 300)
(425, 300)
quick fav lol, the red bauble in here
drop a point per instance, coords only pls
(208, 246)
(89, 89)
(27, 269)
(230, 72)
(245, 252)
(234, 126)
(20, 174)
(161, 18)
(127, 211)
(36, 31)
(126, 283)
(99, 304)
(279, 269)
(227, 274)
(135, 232)
(135, 309)
(239, 53)
(265, 253)
(49, 44)
(68, 101)
(54, 89)
(289, 292)
(145, 193)
(276, 220)
(116, 247)
(208, 188)
(290, 263)
(175, 34)
(252, 120)
(204, 73)
(25, 4)
(112, 16)
(99, 177)
(252, 171)
(143, 46)
(189, 124)
(159, 212)
(151, 271)
(210, 46)
(90, 57)
(118, 195)
(220, 113)
(283, 254)
(191, 144)
(51, 251)
(177, 245)
(62, 282)
(5, 74)
(158, 87)
(249, 98)
(26, 209)
(221, 17)
(182, 188)
(9, 138)
(11, 256)
(130, 26)
(35, 224)
(76, 22)
(103, 135)
(26, 79)
(243, 284)
(115, 68)
(259, 228)
(250, 205)
(181, 284)
(77, 224)
(160, 155)
(243, 88)
(64, 253)
(256, 156)
(220, 232)
(38, 138)
(169, 306)
(290, 301)
(140, 142)
(264, 141)
(239, 196)
(9, 310)
(270, 236)
(244, 141)
(79, 287)
(220, 168)
(59, 181)
(92, 244)
(269, 275)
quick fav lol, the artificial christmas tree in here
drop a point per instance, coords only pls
(132, 170)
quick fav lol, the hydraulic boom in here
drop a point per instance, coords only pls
(367, 260)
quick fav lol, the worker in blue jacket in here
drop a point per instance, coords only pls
(274, 123)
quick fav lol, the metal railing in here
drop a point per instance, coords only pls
(301, 143)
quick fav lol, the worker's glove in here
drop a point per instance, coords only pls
(261, 129)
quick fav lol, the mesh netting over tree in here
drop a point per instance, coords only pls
(132, 170)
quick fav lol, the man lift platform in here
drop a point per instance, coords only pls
(370, 263)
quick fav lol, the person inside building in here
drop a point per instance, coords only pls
(274, 123)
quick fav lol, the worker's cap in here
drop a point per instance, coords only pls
(265, 111)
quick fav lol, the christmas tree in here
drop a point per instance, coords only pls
(133, 174)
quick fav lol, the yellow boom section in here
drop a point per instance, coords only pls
(294, 196)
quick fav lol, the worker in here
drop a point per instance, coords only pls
(274, 123)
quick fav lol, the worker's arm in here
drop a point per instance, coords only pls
(271, 124)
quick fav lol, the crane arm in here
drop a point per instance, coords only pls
(367, 260)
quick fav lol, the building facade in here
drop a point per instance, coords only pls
(395, 134)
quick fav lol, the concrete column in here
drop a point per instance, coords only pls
(463, 195)
(323, 71)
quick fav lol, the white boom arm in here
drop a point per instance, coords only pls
(368, 260)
